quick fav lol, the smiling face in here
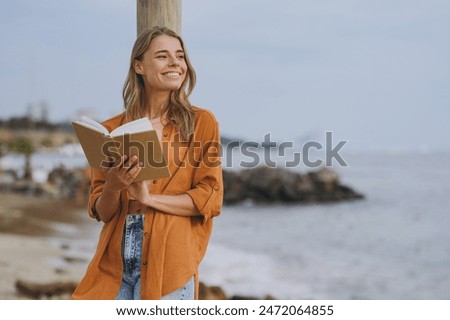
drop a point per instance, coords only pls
(162, 66)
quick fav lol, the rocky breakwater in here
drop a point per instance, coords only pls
(276, 185)
(261, 185)
(62, 183)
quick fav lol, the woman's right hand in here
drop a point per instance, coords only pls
(121, 173)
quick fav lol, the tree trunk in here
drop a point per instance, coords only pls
(28, 174)
(151, 13)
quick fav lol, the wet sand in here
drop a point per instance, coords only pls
(40, 242)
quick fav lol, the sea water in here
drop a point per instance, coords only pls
(395, 244)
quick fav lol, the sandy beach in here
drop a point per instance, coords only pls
(35, 242)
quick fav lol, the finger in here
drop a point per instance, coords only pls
(106, 163)
(131, 162)
(135, 171)
(132, 174)
(109, 160)
(119, 162)
(134, 185)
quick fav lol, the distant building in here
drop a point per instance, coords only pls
(38, 111)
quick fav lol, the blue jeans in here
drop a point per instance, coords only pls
(130, 288)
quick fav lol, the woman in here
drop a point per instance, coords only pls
(155, 233)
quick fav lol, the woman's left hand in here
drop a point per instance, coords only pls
(139, 191)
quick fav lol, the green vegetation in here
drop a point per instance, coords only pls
(23, 146)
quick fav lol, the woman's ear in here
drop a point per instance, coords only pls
(137, 65)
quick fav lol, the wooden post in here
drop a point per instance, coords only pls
(152, 13)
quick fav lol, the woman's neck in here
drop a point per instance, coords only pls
(156, 104)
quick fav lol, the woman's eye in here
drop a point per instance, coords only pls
(160, 57)
(181, 57)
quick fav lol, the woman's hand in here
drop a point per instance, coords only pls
(121, 173)
(179, 205)
(140, 191)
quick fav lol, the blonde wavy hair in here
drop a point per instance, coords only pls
(179, 110)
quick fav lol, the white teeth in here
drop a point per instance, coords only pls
(172, 74)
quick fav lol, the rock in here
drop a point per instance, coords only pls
(8, 176)
(74, 259)
(325, 179)
(211, 293)
(239, 297)
(45, 290)
(217, 293)
(25, 187)
(268, 185)
(234, 187)
(70, 183)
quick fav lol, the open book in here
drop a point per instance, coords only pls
(133, 138)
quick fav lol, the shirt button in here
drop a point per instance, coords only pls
(149, 208)
(146, 234)
(144, 263)
(155, 181)
(216, 187)
(165, 134)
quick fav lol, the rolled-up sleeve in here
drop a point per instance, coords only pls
(97, 182)
(207, 191)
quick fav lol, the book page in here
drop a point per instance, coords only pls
(92, 124)
(139, 125)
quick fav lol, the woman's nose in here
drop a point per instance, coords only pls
(174, 61)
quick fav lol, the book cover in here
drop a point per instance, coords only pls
(133, 138)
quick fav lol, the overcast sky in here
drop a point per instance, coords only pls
(375, 73)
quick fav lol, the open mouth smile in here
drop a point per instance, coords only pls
(172, 75)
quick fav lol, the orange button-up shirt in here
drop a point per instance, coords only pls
(173, 246)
